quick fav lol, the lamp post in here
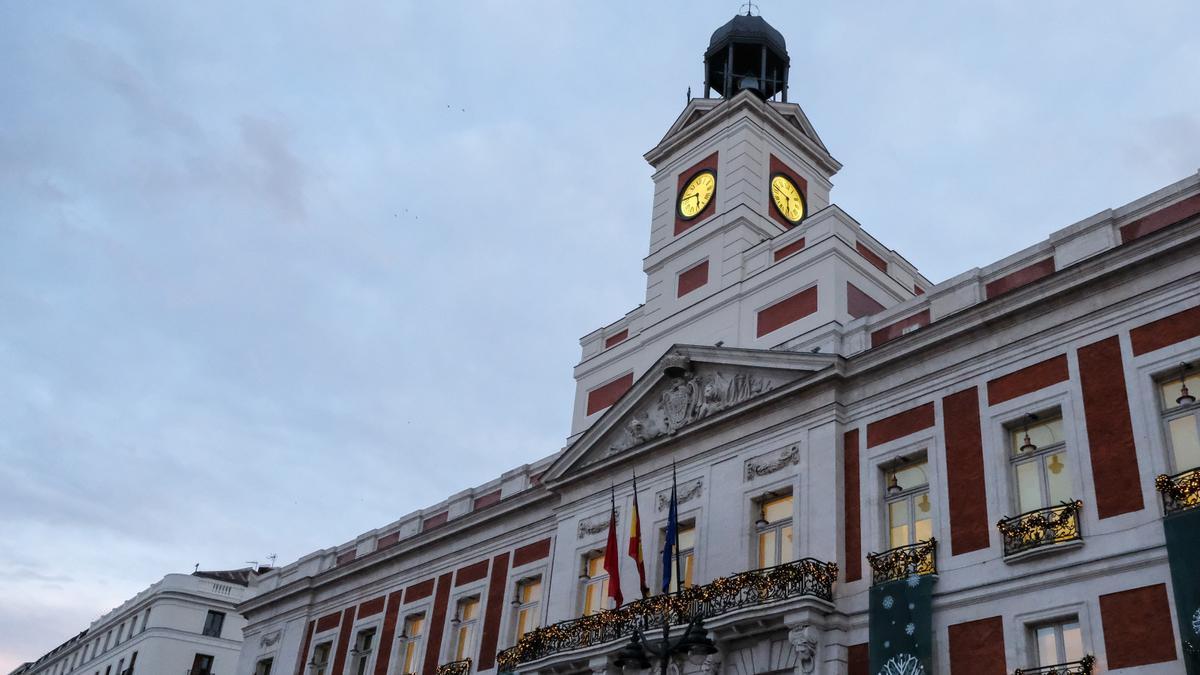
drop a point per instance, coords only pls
(694, 642)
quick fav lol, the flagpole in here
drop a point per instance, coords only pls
(675, 511)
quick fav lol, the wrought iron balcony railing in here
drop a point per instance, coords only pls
(462, 667)
(1043, 527)
(807, 577)
(904, 561)
(1179, 492)
(1080, 667)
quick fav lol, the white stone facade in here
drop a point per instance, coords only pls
(159, 631)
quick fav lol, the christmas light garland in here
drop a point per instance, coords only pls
(904, 561)
(462, 667)
(1179, 492)
(1037, 528)
(803, 577)
(1080, 667)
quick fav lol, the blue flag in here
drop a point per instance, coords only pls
(669, 540)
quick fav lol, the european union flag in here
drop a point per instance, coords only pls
(669, 540)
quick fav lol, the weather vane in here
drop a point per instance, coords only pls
(751, 6)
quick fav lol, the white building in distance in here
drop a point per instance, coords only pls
(184, 624)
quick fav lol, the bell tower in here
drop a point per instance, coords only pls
(747, 54)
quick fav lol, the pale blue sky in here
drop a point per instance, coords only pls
(273, 274)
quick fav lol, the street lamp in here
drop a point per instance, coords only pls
(694, 643)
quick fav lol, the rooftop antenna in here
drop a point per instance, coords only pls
(196, 568)
(271, 559)
(253, 564)
(751, 6)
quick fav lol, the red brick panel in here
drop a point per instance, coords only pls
(495, 609)
(1166, 331)
(871, 256)
(969, 530)
(1028, 379)
(1175, 213)
(437, 624)
(786, 311)
(616, 338)
(682, 225)
(778, 166)
(436, 520)
(329, 621)
(692, 278)
(977, 647)
(346, 557)
(343, 643)
(484, 501)
(531, 552)
(853, 525)
(894, 330)
(302, 658)
(418, 591)
(371, 607)
(1137, 627)
(917, 290)
(858, 303)
(900, 425)
(1023, 276)
(607, 394)
(387, 540)
(1115, 472)
(472, 572)
(394, 600)
(784, 251)
(859, 660)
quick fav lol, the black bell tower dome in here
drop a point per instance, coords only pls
(746, 53)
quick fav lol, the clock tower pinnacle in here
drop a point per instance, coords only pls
(747, 53)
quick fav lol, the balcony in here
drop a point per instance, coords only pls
(1179, 492)
(1040, 529)
(462, 667)
(904, 561)
(807, 577)
(1080, 667)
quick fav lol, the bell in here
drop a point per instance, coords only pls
(749, 82)
(676, 365)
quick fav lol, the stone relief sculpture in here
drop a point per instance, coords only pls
(712, 663)
(269, 639)
(759, 466)
(686, 493)
(595, 524)
(689, 396)
(804, 639)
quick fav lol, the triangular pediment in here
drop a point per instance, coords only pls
(688, 388)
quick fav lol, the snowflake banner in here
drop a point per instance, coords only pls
(1183, 552)
(901, 626)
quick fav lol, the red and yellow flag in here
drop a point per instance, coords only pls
(635, 542)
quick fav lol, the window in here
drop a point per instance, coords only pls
(774, 530)
(107, 640)
(1181, 416)
(202, 665)
(264, 667)
(213, 623)
(132, 663)
(145, 619)
(685, 548)
(595, 583)
(414, 627)
(464, 627)
(120, 636)
(528, 601)
(909, 511)
(1039, 457)
(121, 667)
(320, 659)
(364, 647)
(1057, 643)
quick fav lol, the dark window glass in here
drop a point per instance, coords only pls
(213, 624)
(202, 665)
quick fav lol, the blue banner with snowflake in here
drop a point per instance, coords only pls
(1183, 552)
(901, 625)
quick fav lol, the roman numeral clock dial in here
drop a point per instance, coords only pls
(787, 198)
(697, 194)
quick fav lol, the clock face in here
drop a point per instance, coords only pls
(787, 198)
(697, 194)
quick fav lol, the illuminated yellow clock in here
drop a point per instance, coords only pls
(697, 194)
(787, 198)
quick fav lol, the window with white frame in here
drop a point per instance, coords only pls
(773, 530)
(1181, 417)
(528, 602)
(685, 550)
(909, 509)
(363, 653)
(593, 583)
(319, 664)
(410, 648)
(465, 621)
(1040, 462)
(1057, 642)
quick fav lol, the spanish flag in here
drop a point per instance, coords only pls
(635, 542)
